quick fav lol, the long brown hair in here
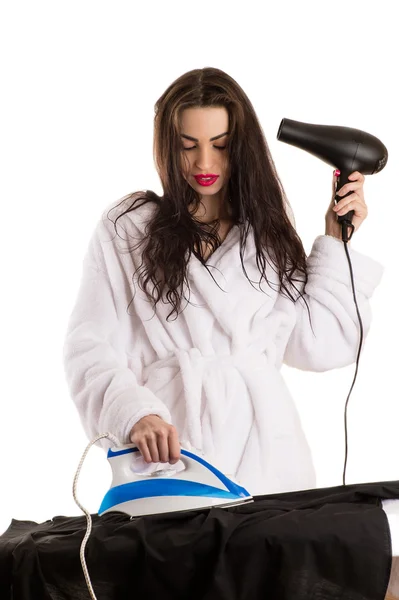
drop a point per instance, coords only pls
(255, 191)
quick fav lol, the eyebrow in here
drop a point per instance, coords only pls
(188, 137)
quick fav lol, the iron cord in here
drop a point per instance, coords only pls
(115, 440)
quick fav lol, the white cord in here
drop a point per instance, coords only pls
(87, 513)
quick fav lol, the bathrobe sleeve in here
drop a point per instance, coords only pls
(334, 340)
(104, 389)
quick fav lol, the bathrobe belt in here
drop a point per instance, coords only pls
(205, 373)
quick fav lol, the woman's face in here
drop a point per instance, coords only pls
(205, 155)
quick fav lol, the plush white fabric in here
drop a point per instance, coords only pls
(214, 372)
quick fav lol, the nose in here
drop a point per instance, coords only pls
(204, 160)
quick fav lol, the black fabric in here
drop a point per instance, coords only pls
(322, 544)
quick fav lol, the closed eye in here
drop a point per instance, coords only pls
(218, 148)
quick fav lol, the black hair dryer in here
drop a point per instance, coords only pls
(344, 148)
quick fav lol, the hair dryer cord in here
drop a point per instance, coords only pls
(344, 225)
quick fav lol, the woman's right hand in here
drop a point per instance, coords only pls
(156, 440)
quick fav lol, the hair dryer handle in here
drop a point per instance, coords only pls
(341, 180)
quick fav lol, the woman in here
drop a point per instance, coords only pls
(191, 301)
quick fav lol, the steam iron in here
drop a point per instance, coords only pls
(139, 488)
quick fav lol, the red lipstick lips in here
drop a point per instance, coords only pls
(207, 179)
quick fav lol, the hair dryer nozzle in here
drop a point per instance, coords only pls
(346, 148)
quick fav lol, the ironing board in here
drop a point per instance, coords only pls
(324, 543)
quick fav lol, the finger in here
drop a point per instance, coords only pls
(144, 451)
(345, 210)
(343, 204)
(354, 196)
(174, 447)
(356, 175)
(344, 201)
(153, 448)
(349, 187)
(359, 208)
(163, 448)
(349, 198)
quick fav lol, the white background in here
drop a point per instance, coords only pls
(79, 83)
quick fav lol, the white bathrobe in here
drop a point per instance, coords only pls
(215, 371)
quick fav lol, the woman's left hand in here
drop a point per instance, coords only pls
(354, 201)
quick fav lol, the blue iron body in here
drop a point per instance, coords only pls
(139, 489)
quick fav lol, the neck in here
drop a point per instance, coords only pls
(212, 208)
